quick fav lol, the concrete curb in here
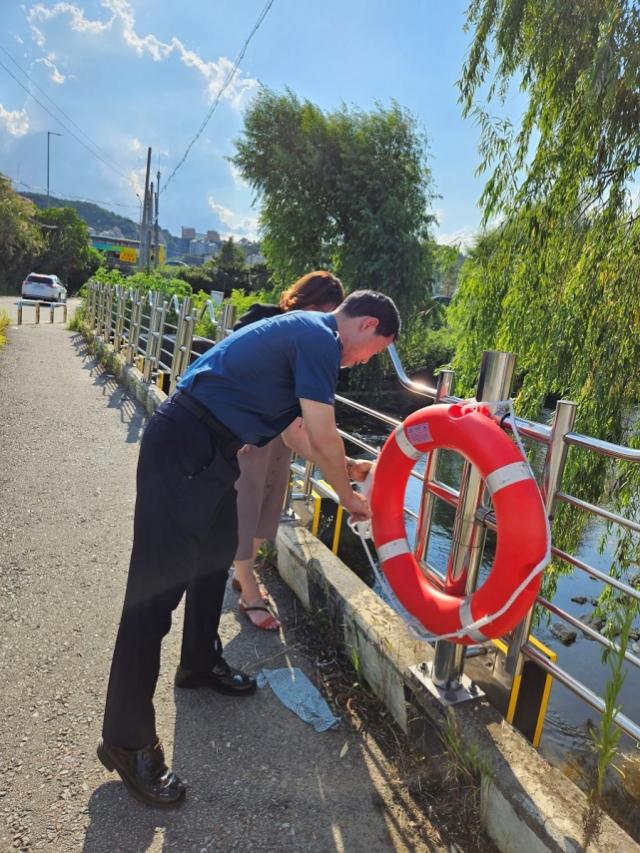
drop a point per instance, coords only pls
(527, 805)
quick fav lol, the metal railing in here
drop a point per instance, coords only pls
(140, 327)
(153, 331)
(472, 519)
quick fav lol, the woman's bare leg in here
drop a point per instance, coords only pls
(252, 594)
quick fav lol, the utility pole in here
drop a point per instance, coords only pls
(50, 133)
(143, 260)
(156, 227)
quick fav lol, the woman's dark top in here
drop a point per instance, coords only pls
(258, 311)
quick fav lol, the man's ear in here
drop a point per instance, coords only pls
(369, 324)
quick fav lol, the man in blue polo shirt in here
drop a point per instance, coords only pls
(245, 390)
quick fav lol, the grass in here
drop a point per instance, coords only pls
(4, 322)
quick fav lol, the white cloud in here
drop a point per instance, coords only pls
(463, 238)
(137, 179)
(240, 226)
(56, 75)
(123, 18)
(238, 180)
(15, 121)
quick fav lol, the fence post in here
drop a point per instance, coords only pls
(494, 383)
(134, 326)
(37, 312)
(184, 341)
(119, 324)
(563, 420)
(64, 313)
(51, 310)
(226, 321)
(156, 320)
(20, 312)
(444, 388)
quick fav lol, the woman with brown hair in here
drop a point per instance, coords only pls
(264, 471)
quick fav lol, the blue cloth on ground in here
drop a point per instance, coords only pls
(296, 692)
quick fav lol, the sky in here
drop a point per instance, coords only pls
(129, 74)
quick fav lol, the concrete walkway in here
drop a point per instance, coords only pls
(259, 779)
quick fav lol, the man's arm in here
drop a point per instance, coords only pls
(317, 439)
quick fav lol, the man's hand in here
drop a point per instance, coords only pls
(357, 506)
(357, 469)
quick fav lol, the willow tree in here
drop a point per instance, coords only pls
(558, 281)
(348, 189)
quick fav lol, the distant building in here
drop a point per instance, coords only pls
(188, 233)
(212, 237)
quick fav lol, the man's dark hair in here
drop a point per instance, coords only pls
(370, 303)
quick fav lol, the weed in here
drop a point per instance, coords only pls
(607, 734)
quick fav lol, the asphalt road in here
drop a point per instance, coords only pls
(259, 779)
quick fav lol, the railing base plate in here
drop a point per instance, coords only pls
(454, 695)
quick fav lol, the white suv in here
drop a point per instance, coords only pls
(49, 287)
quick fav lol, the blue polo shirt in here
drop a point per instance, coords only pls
(253, 380)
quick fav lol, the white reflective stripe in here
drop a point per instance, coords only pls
(405, 445)
(393, 549)
(467, 619)
(507, 476)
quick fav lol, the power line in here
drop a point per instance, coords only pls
(222, 89)
(76, 198)
(62, 112)
(63, 125)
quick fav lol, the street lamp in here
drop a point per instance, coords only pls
(50, 133)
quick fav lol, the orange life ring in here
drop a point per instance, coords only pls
(522, 530)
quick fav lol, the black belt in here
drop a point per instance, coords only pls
(229, 443)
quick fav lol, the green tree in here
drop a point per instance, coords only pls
(558, 281)
(66, 250)
(231, 271)
(347, 189)
(20, 237)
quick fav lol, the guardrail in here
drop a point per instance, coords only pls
(157, 334)
(37, 304)
(152, 330)
(473, 519)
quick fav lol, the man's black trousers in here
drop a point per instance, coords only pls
(184, 539)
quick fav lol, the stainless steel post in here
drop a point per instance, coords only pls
(563, 420)
(134, 327)
(494, 383)
(152, 333)
(444, 388)
(176, 359)
(183, 356)
(225, 321)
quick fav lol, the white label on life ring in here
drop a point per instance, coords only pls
(507, 476)
(393, 549)
(405, 445)
(466, 619)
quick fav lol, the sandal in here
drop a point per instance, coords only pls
(267, 623)
(235, 584)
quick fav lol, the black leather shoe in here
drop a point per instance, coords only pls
(144, 773)
(222, 678)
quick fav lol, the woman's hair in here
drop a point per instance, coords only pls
(314, 290)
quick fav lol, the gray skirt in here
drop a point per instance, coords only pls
(264, 475)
